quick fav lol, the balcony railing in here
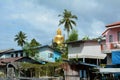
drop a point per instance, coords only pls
(110, 46)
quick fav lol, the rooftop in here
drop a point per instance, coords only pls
(82, 41)
(15, 59)
(113, 24)
(40, 47)
(7, 60)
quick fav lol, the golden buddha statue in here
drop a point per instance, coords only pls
(59, 39)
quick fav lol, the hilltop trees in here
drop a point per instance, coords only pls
(67, 20)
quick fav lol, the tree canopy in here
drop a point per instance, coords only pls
(73, 36)
(34, 43)
(31, 48)
(86, 38)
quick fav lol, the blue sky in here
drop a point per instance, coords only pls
(39, 18)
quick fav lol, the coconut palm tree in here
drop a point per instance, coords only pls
(20, 38)
(67, 20)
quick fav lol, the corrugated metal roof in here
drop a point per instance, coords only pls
(12, 50)
(7, 50)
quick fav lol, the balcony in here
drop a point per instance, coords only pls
(107, 48)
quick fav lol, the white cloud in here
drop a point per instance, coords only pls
(97, 27)
(40, 18)
(85, 5)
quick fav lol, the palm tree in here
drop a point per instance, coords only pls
(20, 38)
(67, 20)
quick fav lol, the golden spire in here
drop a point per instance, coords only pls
(59, 39)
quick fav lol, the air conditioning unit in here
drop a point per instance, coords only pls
(115, 45)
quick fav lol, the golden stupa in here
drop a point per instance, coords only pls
(59, 39)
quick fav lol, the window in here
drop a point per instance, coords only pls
(50, 55)
(110, 38)
(118, 36)
(21, 54)
(16, 55)
(12, 55)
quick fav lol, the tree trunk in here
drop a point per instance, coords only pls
(67, 34)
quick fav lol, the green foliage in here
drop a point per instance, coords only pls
(65, 54)
(86, 38)
(2, 74)
(48, 69)
(34, 43)
(20, 38)
(67, 20)
(31, 48)
(55, 46)
(26, 49)
(73, 36)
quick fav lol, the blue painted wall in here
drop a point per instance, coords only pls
(45, 52)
